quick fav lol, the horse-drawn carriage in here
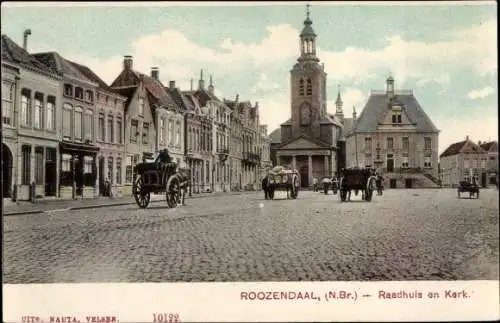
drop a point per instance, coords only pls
(280, 178)
(471, 188)
(160, 176)
(357, 179)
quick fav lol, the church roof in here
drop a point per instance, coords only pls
(275, 136)
(377, 105)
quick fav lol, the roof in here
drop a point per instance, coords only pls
(275, 136)
(61, 65)
(204, 96)
(487, 145)
(307, 30)
(180, 99)
(92, 76)
(453, 149)
(377, 105)
(157, 92)
(12, 52)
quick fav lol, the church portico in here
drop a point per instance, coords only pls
(309, 163)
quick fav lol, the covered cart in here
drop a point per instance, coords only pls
(357, 179)
(160, 176)
(466, 187)
(281, 178)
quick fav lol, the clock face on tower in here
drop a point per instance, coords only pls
(305, 114)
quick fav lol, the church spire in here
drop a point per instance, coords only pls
(211, 85)
(338, 104)
(308, 39)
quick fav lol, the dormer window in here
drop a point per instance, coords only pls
(396, 117)
(68, 90)
(79, 93)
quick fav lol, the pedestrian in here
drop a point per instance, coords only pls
(315, 184)
(265, 182)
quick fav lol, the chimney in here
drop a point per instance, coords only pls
(192, 84)
(127, 62)
(155, 73)
(237, 98)
(467, 137)
(390, 87)
(26, 33)
(201, 82)
(171, 85)
(353, 113)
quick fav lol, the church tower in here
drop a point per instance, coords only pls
(308, 86)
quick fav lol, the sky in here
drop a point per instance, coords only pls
(445, 52)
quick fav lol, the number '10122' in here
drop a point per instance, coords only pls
(165, 317)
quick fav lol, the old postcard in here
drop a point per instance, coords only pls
(249, 161)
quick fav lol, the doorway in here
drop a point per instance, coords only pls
(101, 176)
(483, 180)
(6, 170)
(390, 163)
(392, 183)
(408, 183)
(304, 176)
(50, 172)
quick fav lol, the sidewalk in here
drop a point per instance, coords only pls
(24, 207)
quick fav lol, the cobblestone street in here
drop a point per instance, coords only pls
(403, 235)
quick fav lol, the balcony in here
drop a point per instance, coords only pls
(251, 158)
(223, 153)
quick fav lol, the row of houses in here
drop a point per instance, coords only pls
(67, 133)
(467, 161)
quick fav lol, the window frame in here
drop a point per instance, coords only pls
(50, 119)
(67, 128)
(78, 110)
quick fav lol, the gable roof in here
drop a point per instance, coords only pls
(453, 149)
(61, 65)
(487, 145)
(13, 53)
(377, 105)
(180, 98)
(157, 93)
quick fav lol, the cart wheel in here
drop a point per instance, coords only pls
(141, 198)
(368, 195)
(173, 193)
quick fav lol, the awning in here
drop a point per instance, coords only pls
(79, 147)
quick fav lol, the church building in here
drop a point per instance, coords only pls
(312, 140)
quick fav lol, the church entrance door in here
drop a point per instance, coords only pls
(304, 176)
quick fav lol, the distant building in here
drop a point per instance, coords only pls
(265, 152)
(465, 160)
(395, 136)
(31, 123)
(491, 150)
(311, 140)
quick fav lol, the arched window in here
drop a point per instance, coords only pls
(301, 87)
(309, 87)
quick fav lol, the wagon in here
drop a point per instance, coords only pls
(357, 179)
(471, 188)
(283, 179)
(160, 176)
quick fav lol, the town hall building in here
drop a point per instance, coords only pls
(311, 141)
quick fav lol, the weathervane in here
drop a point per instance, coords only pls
(307, 10)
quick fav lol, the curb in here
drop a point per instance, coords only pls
(98, 206)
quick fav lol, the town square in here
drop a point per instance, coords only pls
(282, 143)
